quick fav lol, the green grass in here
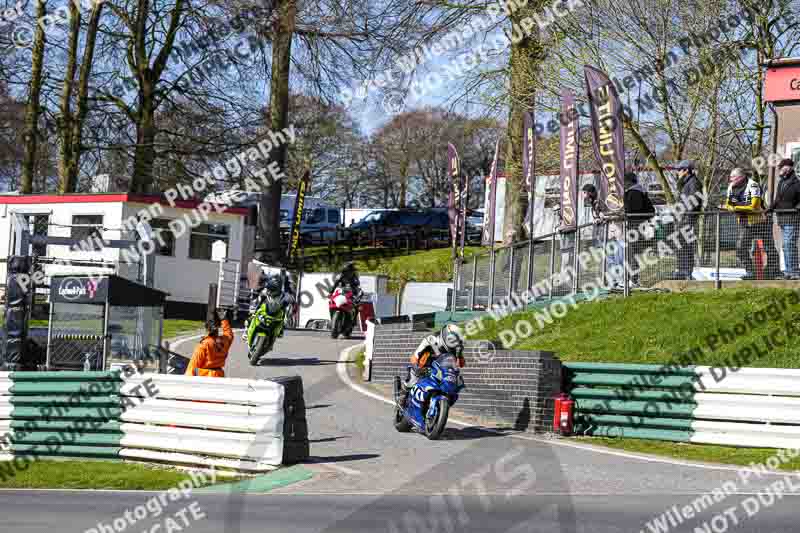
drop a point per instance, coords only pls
(696, 452)
(93, 475)
(360, 360)
(174, 327)
(652, 328)
(425, 265)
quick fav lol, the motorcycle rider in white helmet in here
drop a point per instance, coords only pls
(449, 341)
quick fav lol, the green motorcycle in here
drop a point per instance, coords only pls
(263, 329)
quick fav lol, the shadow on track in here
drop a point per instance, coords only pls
(342, 458)
(287, 361)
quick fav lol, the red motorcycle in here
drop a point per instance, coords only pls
(344, 310)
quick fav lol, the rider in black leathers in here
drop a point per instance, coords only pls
(272, 286)
(348, 277)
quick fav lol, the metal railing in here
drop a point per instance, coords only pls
(635, 252)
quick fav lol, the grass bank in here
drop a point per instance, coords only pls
(111, 475)
(172, 327)
(652, 328)
(695, 452)
(422, 265)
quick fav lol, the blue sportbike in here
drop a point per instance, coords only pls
(430, 399)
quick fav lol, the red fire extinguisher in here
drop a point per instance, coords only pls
(562, 421)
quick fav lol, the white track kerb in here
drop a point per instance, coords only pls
(347, 354)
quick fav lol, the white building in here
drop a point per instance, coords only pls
(183, 265)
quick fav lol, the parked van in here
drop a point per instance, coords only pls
(317, 215)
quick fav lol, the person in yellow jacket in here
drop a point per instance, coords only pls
(209, 357)
(745, 198)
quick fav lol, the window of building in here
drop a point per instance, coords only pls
(204, 236)
(85, 226)
(165, 238)
(333, 216)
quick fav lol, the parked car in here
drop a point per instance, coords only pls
(404, 222)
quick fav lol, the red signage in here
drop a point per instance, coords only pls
(782, 84)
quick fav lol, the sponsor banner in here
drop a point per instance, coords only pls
(464, 203)
(294, 234)
(79, 290)
(569, 162)
(607, 138)
(453, 173)
(489, 216)
(528, 163)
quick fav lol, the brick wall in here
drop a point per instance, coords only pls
(516, 387)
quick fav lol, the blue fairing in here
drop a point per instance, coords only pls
(444, 380)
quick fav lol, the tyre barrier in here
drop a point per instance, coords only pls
(238, 424)
(747, 407)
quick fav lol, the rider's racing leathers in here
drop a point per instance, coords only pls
(429, 349)
(285, 300)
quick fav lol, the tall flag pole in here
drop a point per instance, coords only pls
(528, 158)
(454, 175)
(607, 138)
(529, 174)
(464, 207)
(569, 162)
(489, 216)
(294, 234)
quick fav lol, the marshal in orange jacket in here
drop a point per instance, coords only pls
(209, 357)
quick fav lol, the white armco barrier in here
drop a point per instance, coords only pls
(741, 408)
(5, 402)
(222, 422)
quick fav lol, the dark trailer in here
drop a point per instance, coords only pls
(97, 321)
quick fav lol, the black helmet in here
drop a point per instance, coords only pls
(349, 267)
(273, 284)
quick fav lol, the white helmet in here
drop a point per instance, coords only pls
(451, 337)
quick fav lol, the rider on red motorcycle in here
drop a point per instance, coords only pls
(348, 277)
(450, 340)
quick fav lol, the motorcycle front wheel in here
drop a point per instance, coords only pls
(348, 328)
(434, 427)
(258, 349)
(336, 324)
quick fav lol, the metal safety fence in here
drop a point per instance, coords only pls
(635, 252)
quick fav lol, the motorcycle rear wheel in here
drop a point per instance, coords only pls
(258, 349)
(401, 423)
(434, 428)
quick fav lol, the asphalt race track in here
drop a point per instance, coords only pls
(367, 477)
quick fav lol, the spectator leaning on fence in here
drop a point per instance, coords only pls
(787, 200)
(590, 200)
(605, 231)
(639, 210)
(689, 185)
(209, 357)
(744, 197)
